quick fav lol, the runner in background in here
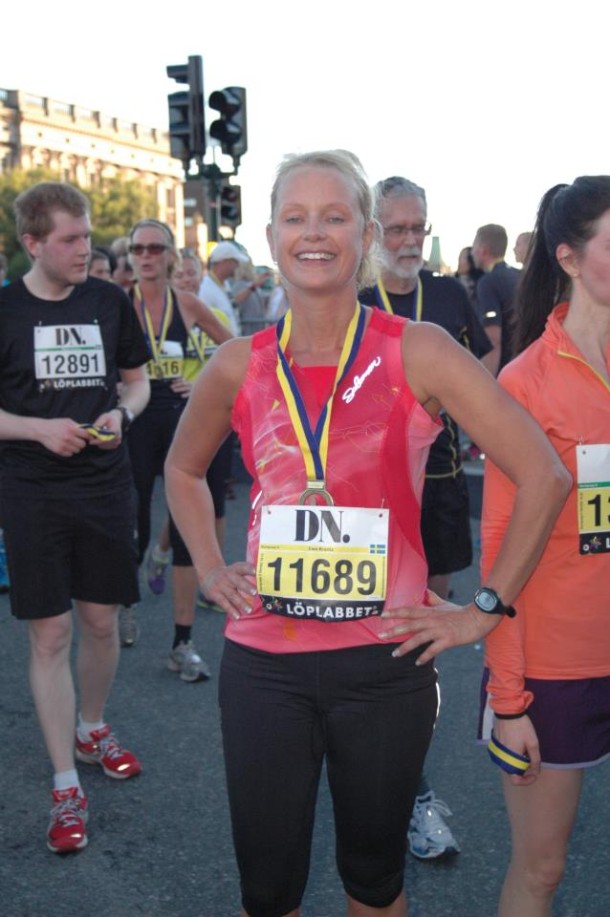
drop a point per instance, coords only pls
(548, 680)
(186, 277)
(67, 499)
(166, 317)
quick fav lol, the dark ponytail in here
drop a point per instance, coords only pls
(567, 214)
(541, 281)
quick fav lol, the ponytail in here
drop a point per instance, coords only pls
(542, 282)
(567, 214)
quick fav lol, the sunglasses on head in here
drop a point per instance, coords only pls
(153, 248)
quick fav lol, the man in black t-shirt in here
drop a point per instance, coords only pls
(496, 290)
(408, 290)
(67, 496)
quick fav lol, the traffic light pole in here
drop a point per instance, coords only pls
(186, 112)
(188, 136)
(212, 176)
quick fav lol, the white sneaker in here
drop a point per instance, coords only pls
(429, 836)
(185, 659)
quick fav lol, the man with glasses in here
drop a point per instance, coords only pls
(67, 497)
(405, 288)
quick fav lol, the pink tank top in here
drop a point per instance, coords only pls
(378, 446)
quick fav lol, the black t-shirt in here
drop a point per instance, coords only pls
(496, 291)
(62, 359)
(445, 303)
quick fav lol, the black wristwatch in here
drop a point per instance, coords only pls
(127, 417)
(489, 602)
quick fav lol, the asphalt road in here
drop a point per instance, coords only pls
(160, 845)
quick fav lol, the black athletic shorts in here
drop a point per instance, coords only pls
(445, 525)
(61, 549)
(370, 717)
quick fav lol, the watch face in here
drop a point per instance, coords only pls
(486, 600)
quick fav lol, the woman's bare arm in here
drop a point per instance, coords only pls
(441, 373)
(203, 427)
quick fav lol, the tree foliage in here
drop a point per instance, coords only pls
(12, 184)
(115, 206)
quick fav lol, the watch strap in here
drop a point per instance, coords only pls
(127, 417)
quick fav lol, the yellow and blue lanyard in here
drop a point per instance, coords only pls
(314, 442)
(155, 345)
(383, 300)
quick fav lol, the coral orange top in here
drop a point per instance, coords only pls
(562, 627)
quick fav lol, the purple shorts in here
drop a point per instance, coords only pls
(571, 718)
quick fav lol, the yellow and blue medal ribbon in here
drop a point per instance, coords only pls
(314, 443)
(156, 346)
(383, 300)
(510, 761)
(99, 433)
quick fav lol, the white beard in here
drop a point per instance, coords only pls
(392, 264)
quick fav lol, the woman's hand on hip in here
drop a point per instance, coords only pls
(231, 587)
(438, 623)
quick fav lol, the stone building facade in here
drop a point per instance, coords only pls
(86, 147)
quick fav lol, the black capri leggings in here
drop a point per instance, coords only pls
(371, 717)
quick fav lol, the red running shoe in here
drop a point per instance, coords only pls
(103, 749)
(67, 831)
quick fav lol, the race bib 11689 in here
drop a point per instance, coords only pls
(325, 563)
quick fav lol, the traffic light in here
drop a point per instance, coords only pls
(186, 111)
(230, 204)
(231, 128)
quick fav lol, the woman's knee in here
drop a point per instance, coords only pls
(380, 892)
(543, 874)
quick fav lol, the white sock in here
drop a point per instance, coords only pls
(66, 779)
(85, 729)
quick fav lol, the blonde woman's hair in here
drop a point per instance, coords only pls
(188, 254)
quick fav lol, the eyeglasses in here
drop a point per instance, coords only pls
(397, 232)
(153, 248)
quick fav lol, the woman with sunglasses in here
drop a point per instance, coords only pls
(330, 632)
(186, 277)
(166, 315)
(548, 681)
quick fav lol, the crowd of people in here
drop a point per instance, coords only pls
(347, 390)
